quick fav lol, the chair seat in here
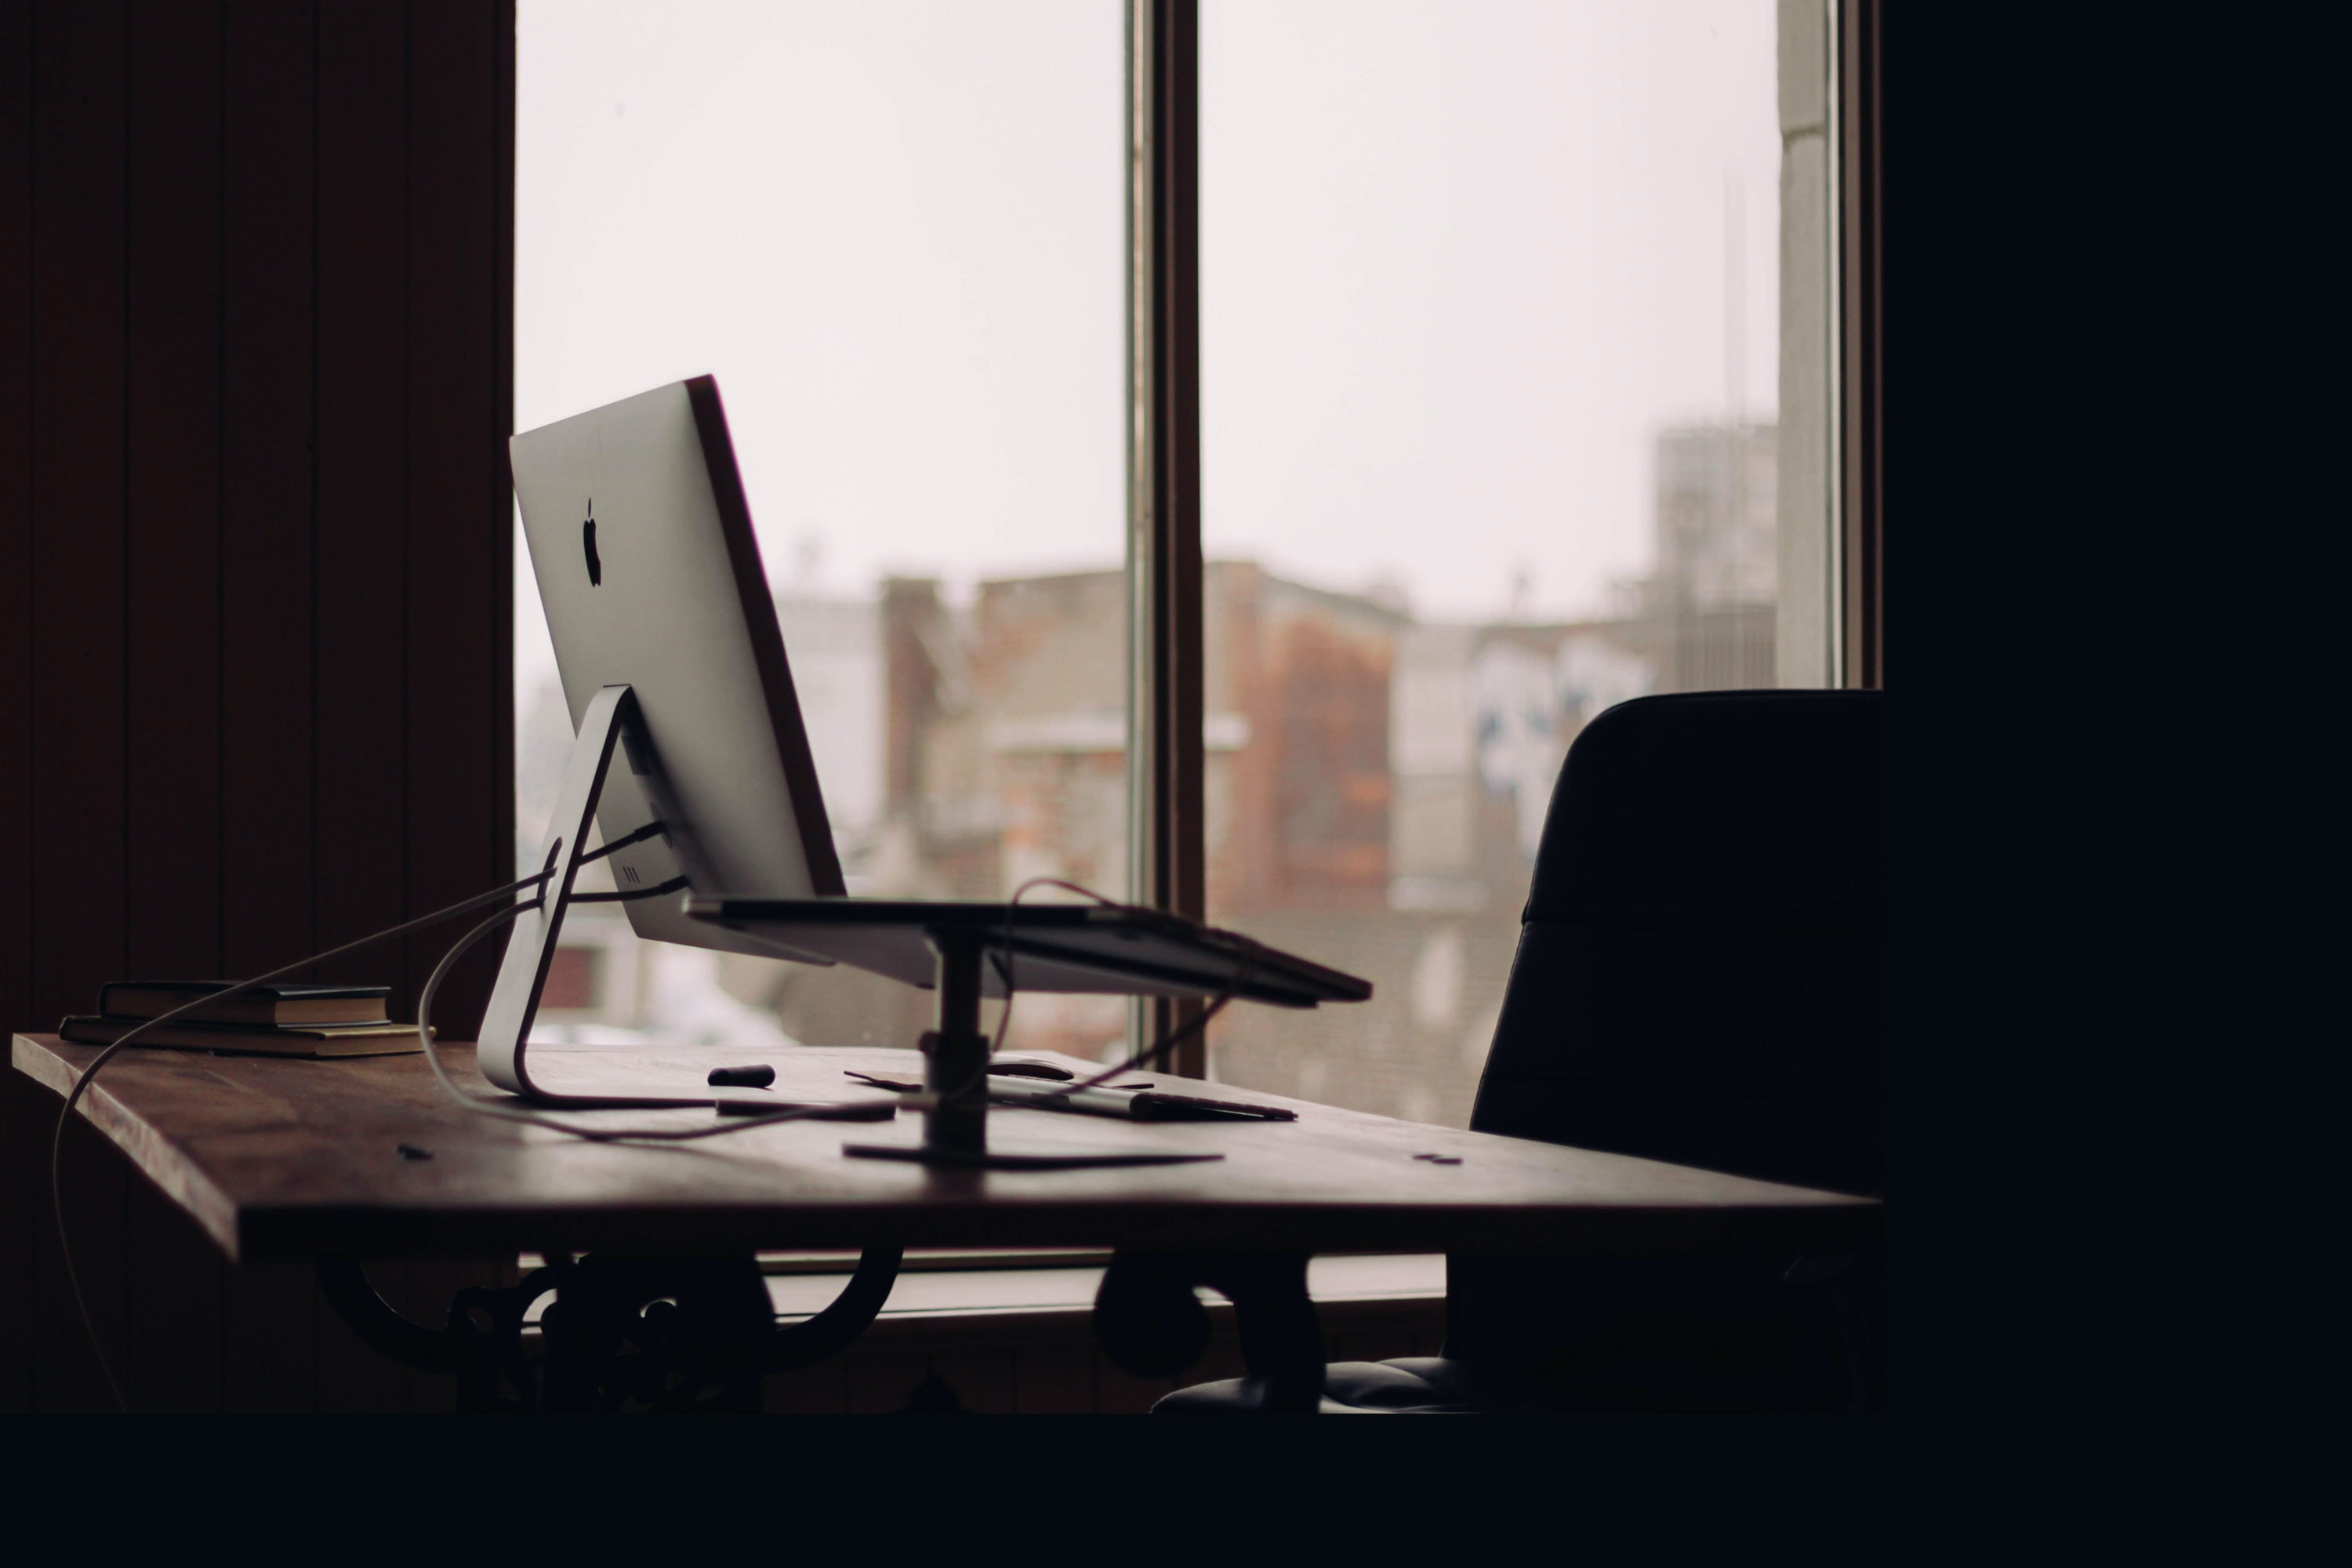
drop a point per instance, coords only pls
(1408, 1385)
(1414, 1385)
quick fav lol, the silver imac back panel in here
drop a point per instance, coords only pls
(651, 577)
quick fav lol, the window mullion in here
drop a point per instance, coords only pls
(1166, 864)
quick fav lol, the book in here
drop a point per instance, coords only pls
(270, 1006)
(330, 1040)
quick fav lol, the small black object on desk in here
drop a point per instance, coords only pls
(759, 1076)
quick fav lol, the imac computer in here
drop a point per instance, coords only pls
(692, 764)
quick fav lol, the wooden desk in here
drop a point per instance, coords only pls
(300, 1161)
(290, 1160)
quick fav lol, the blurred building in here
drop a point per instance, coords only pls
(1708, 602)
(1007, 737)
(834, 648)
(1480, 718)
(1004, 737)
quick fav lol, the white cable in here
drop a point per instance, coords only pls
(90, 1074)
(505, 1112)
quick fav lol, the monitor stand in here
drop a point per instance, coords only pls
(522, 973)
(956, 1068)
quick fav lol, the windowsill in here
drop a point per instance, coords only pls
(971, 1289)
(930, 1260)
(1037, 1285)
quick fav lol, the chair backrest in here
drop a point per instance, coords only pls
(1699, 979)
(1700, 974)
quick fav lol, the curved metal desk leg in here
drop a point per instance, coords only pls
(666, 1334)
(832, 1331)
(386, 1331)
(461, 1348)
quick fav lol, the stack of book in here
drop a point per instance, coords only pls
(267, 1020)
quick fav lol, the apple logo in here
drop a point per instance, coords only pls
(588, 544)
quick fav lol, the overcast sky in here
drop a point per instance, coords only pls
(1460, 262)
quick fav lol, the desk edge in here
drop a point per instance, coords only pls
(153, 1156)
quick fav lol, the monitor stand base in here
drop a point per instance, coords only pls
(1042, 1157)
(955, 1070)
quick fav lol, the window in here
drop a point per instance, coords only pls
(1493, 325)
(1514, 401)
(893, 231)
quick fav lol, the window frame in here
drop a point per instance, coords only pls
(1857, 380)
(1165, 761)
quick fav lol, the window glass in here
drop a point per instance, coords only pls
(894, 232)
(1493, 305)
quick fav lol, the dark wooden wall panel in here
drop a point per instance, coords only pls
(76, 667)
(270, 1339)
(363, 478)
(21, 1118)
(460, 380)
(256, 588)
(97, 1182)
(170, 1355)
(175, 1292)
(16, 1112)
(266, 681)
(173, 482)
(256, 265)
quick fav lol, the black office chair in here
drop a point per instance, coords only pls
(1698, 980)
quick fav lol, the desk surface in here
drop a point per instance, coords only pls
(288, 1160)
